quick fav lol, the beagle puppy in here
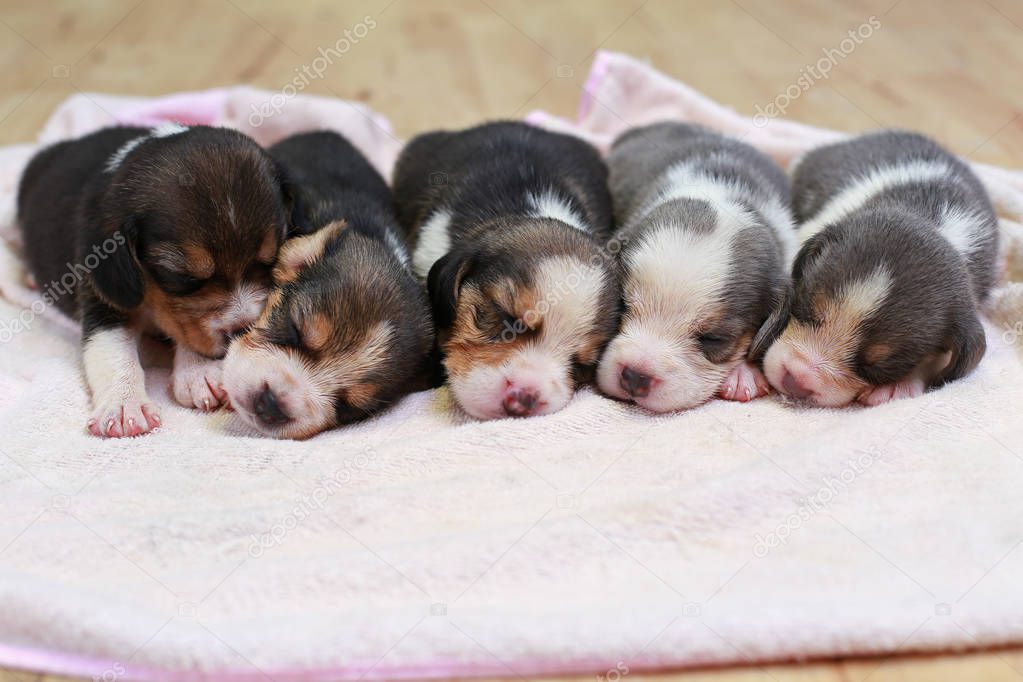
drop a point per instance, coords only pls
(508, 224)
(707, 229)
(347, 330)
(899, 241)
(171, 231)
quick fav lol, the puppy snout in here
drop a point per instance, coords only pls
(635, 383)
(521, 402)
(268, 409)
(795, 387)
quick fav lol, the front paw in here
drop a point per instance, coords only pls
(123, 418)
(199, 385)
(908, 388)
(744, 383)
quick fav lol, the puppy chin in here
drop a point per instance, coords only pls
(676, 380)
(525, 386)
(804, 380)
(272, 391)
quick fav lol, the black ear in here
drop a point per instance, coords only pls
(443, 284)
(807, 252)
(967, 343)
(299, 221)
(774, 325)
(117, 276)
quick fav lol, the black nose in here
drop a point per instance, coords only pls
(267, 409)
(634, 383)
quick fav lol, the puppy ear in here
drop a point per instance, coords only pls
(299, 222)
(967, 344)
(807, 252)
(774, 325)
(302, 251)
(443, 284)
(117, 277)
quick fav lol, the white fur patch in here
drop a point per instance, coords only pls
(163, 130)
(241, 310)
(686, 180)
(549, 204)
(962, 228)
(861, 190)
(433, 243)
(864, 296)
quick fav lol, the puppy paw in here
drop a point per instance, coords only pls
(908, 388)
(123, 418)
(744, 383)
(199, 385)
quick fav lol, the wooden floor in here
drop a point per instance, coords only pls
(951, 68)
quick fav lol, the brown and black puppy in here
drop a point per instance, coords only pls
(347, 330)
(508, 224)
(899, 241)
(171, 231)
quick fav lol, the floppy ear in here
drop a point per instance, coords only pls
(443, 284)
(117, 277)
(967, 344)
(299, 252)
(774, 325)
(807, 252)
(299, 222)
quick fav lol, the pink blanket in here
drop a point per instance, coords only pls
(596, 540)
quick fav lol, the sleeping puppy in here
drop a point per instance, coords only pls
(170, 231)
(507, 223)
(899, 241)
(347, 330)
(707, 228)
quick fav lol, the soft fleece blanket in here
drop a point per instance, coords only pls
(421, 543)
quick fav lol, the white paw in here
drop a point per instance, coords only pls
(199, 384)
(908, 388)
(123, 418)
(744, 383)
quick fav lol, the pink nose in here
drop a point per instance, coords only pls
(521, 402)
(792, 386)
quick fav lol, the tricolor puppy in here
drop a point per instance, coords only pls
(898, 248)
(347, 329)
(707, 227)
(170, 231)
(508, 222)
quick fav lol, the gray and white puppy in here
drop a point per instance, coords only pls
(707, 230)
(899, 242)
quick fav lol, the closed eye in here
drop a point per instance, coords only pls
(288, 334)
(715, 346)
(177, 283)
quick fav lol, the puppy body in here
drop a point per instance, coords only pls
(348, 329)
(707, 230)
(507, 223)
(899, 241)
(170, 231)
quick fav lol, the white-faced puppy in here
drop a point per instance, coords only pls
(170, 231)
(347, 330)
(899, 241)
(707, 229)
(508, 223)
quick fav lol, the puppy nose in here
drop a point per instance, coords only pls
(635, 383)
(790, 384)
(520, 402)
(268, 409)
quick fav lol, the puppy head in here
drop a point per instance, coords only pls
(522, 316)
(878, 298)
(188, 232)
(345, 332)
(698, 282)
